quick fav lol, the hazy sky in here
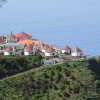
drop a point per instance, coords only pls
(72, 22)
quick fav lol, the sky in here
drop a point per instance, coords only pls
(60, 22)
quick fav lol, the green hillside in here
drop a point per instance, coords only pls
(10, 65)
(72, 81)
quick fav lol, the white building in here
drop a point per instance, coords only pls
(8, 52)
(67, 49)
(28, 51)
(63, 51)
(48, 54)
(77, 52)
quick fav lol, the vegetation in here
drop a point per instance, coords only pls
(13, 65)
(72, 81)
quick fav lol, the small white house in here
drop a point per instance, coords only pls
(8, 52)
(28, 51)
(48, 54)
(43, 50)
(77, 52)
(67, 49)
(63, 51)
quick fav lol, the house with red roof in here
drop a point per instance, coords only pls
(18, 36)
(22, 44)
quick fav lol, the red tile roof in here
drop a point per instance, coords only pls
(21, 35)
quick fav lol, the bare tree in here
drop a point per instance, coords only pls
(2, 2)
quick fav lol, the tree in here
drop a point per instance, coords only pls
(2, 2)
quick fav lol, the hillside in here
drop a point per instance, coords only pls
(71, 81)
(11, 65)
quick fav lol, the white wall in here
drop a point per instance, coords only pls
(76, 54)
(48, 54)
(63, 51)
(6, 53)
(44, 51)
(26, 53)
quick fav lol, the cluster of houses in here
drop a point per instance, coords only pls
(22, 44)
(77, 52)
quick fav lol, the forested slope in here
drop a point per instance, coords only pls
(71, 81)
(10, 65)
